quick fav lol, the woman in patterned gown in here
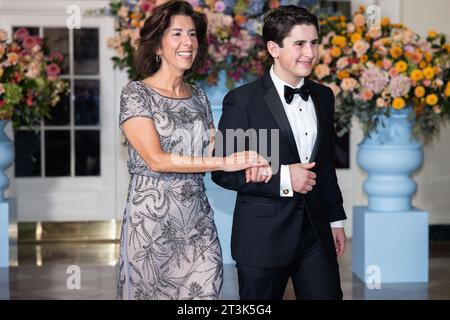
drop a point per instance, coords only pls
(169, 246)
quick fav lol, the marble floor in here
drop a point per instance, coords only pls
(44, 272)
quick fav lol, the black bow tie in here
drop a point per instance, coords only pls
(289, 93)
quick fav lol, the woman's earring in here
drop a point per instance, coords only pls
(158, 58)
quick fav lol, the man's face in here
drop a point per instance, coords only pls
(300, 52)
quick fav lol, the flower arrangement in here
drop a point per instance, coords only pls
(374, 70)
(29, 82)
(234, 36)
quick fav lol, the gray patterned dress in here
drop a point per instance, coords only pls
(169, 247)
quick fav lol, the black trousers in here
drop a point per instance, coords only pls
(315, 275)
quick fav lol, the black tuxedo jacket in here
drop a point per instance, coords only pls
(266, 226)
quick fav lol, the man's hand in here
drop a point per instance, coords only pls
(302, 179)
(339, 240)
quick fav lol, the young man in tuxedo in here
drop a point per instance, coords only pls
(292, 225)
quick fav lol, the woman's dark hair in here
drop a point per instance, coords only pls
(152, 32)
(279, 22)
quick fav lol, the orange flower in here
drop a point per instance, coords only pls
(416, 75)
(422, 64)
(419, 91)
(432, 34)
(385, 22)
(359, 20)
(431, 99)
(240, 19)
(364, 58)
(335, 52)
(429, 73)
(447, 91)
(398, 103)
(396, 52)
(355, 37)
(339, 41)
(343, 74)
(428, 56)
(401, 66)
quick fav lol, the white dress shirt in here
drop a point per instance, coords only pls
(302, 119)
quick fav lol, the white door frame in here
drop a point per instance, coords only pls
(71, 198)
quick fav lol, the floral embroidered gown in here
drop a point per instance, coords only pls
(169, 247)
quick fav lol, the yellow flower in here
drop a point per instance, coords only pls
(355, 37)
(416, 75)
(431, 99)
(422, 64)
(428, 72)
(342, 18)
(419, 91)
(385, 21)
(396, 52)
(432, 34)
(1, 72)
(447, 92)
(428, 56)
(335, 52)
(401, 66)
(339, 41)
(398, 103)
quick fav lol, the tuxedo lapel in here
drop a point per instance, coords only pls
(317, 107)
(275, 105)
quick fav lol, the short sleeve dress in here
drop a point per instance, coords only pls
(169, 246)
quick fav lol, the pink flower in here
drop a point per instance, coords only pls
(426, 82)
(56, 57)
(30, 42)
(349, 84)
(193, 3)
(334, 87)
(342, 63)
(21, 34)
(145, 5)
(399, 86)
(374, 79)
(387, 64)
(360, 47)
(220, 6)
(392, 72)
(53, 70)
(366, 95)
(321, 71)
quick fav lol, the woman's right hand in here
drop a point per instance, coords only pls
(242, 160)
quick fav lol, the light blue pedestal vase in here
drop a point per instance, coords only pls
(221, 200)
(390, 237)
(7, 206)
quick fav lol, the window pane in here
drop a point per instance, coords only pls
(336, 7)
(33, 31)
(28, 153)
(60, 114)
(86, 51)
(87, 153)
(57, 153)
(58, 41)
(87, 98)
